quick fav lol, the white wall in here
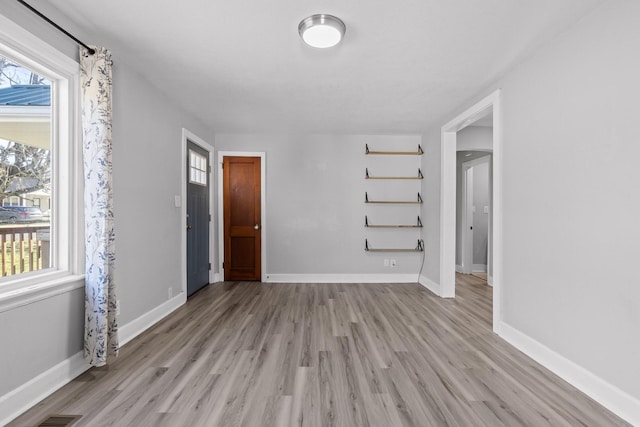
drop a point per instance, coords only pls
(570, 191)
(147, 174)
(315, 193)
(147, 134)
(571, 195)
(475, 138)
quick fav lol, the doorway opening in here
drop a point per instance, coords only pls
(487, 107)
(242, 213)
(473, 212)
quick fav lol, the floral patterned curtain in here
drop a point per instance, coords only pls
(101, 327)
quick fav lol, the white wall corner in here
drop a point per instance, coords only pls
(490, 280)
(617, 401)
(27, 395)
(430, 285)
(134, 328)
(459, 268)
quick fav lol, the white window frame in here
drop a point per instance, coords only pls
(67, 248)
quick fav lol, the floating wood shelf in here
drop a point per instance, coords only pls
(418, 248)
(419, 176)
(403, 202)
(401, 153)
(417, 225)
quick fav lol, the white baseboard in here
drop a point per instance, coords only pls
(342, 278)
(609, 396)
(479, 268)
(430, 284)
(458, 268)
(217, 277)
(24, 397)
(134, 328)
(490, 280)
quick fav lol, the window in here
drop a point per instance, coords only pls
(10, 201)
(25, 167)
(39, 165)
(197, 168)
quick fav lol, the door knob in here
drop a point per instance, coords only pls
(256, 227)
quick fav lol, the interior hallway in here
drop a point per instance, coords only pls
(257, 354)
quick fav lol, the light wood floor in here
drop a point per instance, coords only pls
(250, 354)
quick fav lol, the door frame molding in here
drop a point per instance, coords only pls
(448, 200)
(263, 208)
(190, 136)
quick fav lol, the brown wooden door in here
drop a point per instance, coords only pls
(242, 218)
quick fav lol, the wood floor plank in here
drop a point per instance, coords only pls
(253, 354)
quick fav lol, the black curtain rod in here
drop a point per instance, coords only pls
(58, 27)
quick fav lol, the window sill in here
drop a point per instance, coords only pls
(48, 285)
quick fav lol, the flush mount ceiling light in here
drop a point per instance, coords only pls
(322, 30)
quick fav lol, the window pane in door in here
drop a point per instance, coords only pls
(197, 168)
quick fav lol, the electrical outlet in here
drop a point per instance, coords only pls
(117, 307)
(386, 262)
(170, 293)
(393, 263)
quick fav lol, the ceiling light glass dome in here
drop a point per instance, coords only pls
(322, 30)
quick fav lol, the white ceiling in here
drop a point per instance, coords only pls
(403, 66)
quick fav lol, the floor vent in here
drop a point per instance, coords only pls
(59, 420)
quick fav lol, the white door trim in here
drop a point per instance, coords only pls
(189, 136)
(263, 208)
(448, 200)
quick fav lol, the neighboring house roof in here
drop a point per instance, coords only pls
(24, 95)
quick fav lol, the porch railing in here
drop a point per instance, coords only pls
(23, 248)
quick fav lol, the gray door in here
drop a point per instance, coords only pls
(197, 218)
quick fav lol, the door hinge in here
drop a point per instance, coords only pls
(209, 217)
(223, 265)
(209, 266)
(221, 165)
